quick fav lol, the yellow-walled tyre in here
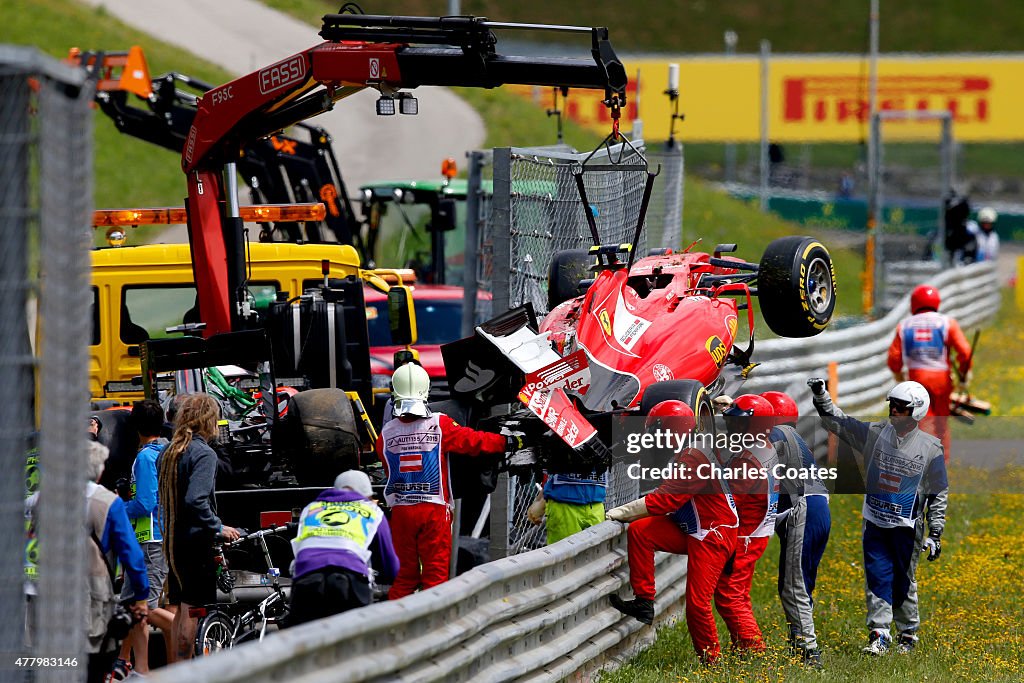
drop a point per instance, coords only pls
(796, 286)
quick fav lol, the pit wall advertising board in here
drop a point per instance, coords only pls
(814, 98)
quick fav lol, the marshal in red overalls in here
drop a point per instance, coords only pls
(414, 451)
(922, 344)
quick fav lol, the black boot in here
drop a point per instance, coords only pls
(812, 658)
(640, 609)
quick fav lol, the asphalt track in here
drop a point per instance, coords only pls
(243, 36)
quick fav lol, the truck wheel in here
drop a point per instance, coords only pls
(796, 286)
(567, 268)
(689, 391)
(319, 436)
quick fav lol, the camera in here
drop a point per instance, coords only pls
(123, 487)
(121, 622)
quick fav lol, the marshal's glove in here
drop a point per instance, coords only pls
(722, 403)
(630, 512)
(934, 547)
(817, 385)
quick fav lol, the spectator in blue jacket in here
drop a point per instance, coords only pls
(111, 539)
(147, 418)
(339, 536)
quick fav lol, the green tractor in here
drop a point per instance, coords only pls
(419, 224)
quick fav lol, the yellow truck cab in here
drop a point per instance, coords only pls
(140, 291)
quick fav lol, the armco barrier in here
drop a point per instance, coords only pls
(970, 294)
(544, 615)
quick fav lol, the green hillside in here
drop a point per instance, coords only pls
(128, 172)
(698, 25)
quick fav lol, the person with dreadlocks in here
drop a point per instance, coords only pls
(187, 477)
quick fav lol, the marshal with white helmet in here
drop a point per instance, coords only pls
(911, 395)
(410, 389)
(905, 485)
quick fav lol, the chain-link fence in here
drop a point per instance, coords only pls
(511, 530)
(537, 211)
(665, 212)
(45, 204)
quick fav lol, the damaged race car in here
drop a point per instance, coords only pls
(621, 337)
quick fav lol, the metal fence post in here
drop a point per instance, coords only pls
(501, 228)
(731, 39)
(65, 170)
(470, 279)
(948, 178)
(499, 518)
(15, 354)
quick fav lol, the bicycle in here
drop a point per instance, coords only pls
(223, 625)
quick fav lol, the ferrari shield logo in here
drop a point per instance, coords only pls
(606, 323)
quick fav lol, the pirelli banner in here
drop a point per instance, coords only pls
(816, 98)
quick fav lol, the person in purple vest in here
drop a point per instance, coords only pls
(339, 536)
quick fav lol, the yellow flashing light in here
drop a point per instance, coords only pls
(259, 213)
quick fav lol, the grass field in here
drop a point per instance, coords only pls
(971, 598)
(998, 376)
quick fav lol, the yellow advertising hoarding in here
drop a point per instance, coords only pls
(815, 98)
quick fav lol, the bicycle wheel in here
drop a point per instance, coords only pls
(214, 633)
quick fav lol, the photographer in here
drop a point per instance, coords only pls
(112, 539)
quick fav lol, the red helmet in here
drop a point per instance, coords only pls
(674, 415)
(785, 407)
(924, 298)
(751, 406)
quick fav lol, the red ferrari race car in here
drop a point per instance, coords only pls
(622, 336)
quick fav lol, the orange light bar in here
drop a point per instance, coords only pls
(259, 213)
(102, 218)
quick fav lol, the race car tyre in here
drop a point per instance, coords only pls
(564, 274)
(689, 391)
(319, 436)
(796, 286)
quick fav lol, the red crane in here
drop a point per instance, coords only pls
(388, 53)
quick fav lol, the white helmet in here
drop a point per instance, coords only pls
(410, 386)
(914, 395)
(987, 215)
